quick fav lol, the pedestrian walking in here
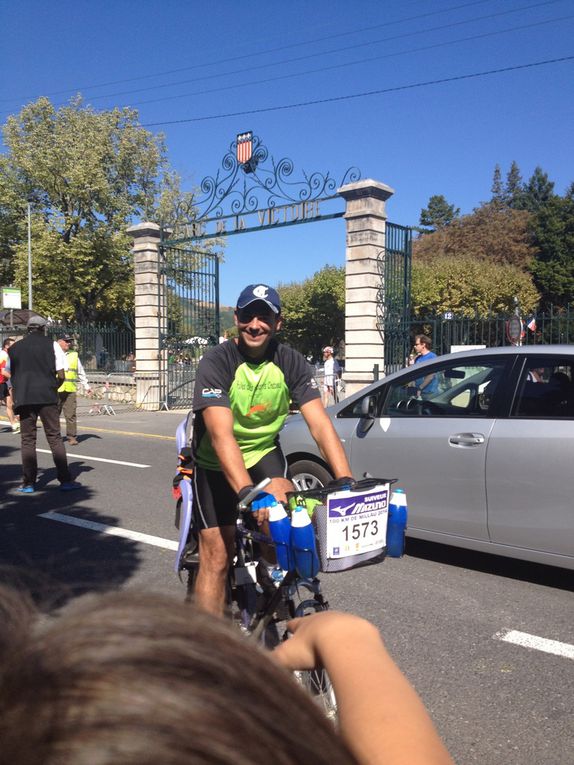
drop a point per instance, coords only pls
(6, 386)
(67, 392)
(35, 365)
(331, 373)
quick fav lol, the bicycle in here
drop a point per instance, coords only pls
(261, 597)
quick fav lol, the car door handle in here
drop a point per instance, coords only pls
(466, 439)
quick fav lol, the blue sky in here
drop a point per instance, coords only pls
(210, 59)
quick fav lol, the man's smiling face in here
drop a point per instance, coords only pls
(256, 325)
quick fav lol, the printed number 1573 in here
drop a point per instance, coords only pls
(361, 530)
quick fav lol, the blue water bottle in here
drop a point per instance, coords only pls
(303, 543)
(280, 530)
(397, 524)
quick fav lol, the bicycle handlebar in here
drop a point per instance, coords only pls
(320, 492)
(247, 500)
(362, 485)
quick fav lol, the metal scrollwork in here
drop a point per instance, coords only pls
(249, 186)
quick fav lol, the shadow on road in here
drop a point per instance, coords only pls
(512, 568)
(56, 562)
(86, 437)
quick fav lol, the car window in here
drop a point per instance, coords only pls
(457, 389)
(546, 388)
(355, 409)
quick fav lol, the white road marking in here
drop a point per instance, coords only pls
(114, 531)
(98, 459)
(537, 643)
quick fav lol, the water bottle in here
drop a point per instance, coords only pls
(397, 524)
(280, 530)
(303, 543)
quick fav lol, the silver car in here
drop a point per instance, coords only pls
(485, 453)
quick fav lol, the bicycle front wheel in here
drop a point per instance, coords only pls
(317, 682)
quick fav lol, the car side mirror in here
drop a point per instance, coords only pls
(368, 407)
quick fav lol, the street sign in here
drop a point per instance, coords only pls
(514, 329)
(11, 297)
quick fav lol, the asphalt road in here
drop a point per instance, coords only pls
(442, 611)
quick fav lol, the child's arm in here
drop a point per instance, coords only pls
(381, 717)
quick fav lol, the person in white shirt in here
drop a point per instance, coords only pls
(6, 386)
(332, 372)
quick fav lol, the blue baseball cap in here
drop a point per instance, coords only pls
(260, 292)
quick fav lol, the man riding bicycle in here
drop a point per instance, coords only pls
(243, 389)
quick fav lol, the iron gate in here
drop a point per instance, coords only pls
(188, 315)
(395, 295)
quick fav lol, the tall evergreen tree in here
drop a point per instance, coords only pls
(439, 213)
(537, 192)
(553, 236)
(497, 189)
(514, 187)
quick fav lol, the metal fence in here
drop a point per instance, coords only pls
(394, 308)
(188, 296)
(103, 348)
(446, 330)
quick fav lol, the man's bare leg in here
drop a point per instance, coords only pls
(216, 549)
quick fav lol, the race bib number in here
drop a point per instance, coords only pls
(357, 521)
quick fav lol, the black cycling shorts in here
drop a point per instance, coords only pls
(215, 502)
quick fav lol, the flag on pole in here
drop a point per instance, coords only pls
(532, 324)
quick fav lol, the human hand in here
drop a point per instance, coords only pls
(318, 637)
(261, 514)
(263, 498)
(345, 482)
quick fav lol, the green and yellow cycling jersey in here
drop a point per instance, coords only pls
(258, 394)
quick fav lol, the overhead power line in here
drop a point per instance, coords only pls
(322, 54)
(262, 52)
(365, 94)
(347, 64)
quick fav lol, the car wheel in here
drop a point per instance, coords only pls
(306, 474)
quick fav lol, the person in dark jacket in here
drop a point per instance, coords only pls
(37, 367)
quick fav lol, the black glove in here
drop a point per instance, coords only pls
(346, 482)
(242, 493)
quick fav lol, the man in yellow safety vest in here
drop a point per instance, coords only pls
(68, 389)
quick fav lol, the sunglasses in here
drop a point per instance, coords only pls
(245, 315)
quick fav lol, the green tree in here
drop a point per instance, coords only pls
(89, 277)
(514, 188)
(537, 192)
(438, 213)
(314, 311)
(553, 236)
(91, 173)
(497, 188)
(469, 287)
(12, 214)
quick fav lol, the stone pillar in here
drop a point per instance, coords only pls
(147, 319)
(366, 217)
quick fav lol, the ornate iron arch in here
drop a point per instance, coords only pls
(250, 180)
